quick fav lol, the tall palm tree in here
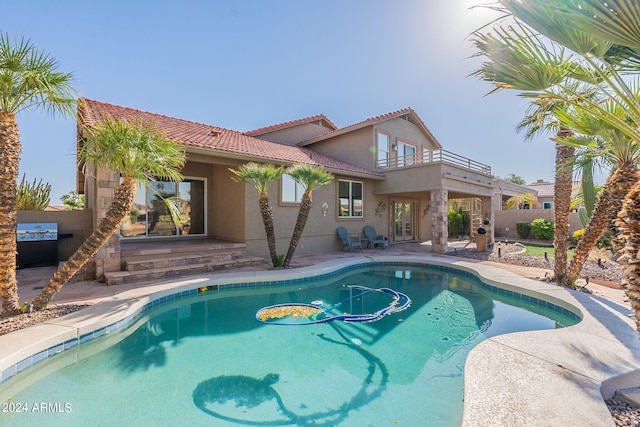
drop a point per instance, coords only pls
(138, 152)
(262, 176)
(629, 228)
(622, 155)
(516, 59)
(309, 177)
(28, 79)
(608, 41)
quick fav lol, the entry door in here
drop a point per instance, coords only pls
(404, 223)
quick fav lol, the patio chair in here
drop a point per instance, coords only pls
(351, 242)
(375, 239)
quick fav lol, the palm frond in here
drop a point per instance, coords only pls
(29, 79)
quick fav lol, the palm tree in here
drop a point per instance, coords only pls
(309, 177)
(607, 40)
(620, 153)
(28, 79)
(629, 226)
(523, 199)
(262, 176)
(516, 59)
(138, 152)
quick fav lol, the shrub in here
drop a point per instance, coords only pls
(542, 229)
(523, 229)
(577, 235)
(456, 225)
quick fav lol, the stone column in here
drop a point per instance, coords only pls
(439, 223)
(487, 212)
(107, 259)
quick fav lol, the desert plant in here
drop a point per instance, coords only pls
(137, 150)
(33, 196)
(29, 79)
(577, 235)
(542, 229)
(524, 229)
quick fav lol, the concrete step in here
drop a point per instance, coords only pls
(171, 260)
(164, 273)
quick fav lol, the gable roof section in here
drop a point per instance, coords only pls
(318, 118)
(216, 139)
(409, 114)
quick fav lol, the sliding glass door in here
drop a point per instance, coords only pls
(150, 214)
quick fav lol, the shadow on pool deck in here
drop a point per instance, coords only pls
(31, 280)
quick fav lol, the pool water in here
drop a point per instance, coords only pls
(206, 360)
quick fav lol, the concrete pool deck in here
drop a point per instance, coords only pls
(538, 378)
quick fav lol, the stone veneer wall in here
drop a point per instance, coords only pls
(108, 257)
(439, 227)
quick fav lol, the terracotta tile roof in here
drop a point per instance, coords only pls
(320, 117)
(218, 140)
(547, 189)
(414, 118)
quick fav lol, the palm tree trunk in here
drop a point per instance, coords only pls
(629, 226)
(604, 215)
(9, 160)
(303, 215)
(267, 219)
(562, 206)
(119, 209)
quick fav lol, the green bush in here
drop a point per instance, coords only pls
(455, 222)
(577, 235)
(542, 229)
(523, 229)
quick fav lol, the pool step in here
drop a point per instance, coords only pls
(363, 331)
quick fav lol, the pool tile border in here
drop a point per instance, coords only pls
(43, 355)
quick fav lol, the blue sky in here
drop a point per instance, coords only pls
(245, 64)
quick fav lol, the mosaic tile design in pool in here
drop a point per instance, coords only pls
(45, 354)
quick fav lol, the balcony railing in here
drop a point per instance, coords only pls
(434, 156)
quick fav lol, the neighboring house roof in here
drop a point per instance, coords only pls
(216, 139)
(408, 112)
(318, 118)
(547, 189)
(544, 189)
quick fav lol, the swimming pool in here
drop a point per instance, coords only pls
(204, 359)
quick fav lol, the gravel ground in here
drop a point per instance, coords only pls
(511, 254)
(22, 321)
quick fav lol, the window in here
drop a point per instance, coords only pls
(383, 149)
(291, 190)
(406, 154)
(547, 205)
(350, 199)
(150, 216)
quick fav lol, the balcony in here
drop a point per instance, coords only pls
(431, 157)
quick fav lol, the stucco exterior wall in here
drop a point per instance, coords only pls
(508, 218)
(320, 231)
(226, 206)
(402, 130)
(354, 147)
(77, 223)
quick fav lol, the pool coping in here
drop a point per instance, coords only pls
(536, 378)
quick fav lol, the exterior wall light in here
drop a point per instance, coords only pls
(325, 209)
